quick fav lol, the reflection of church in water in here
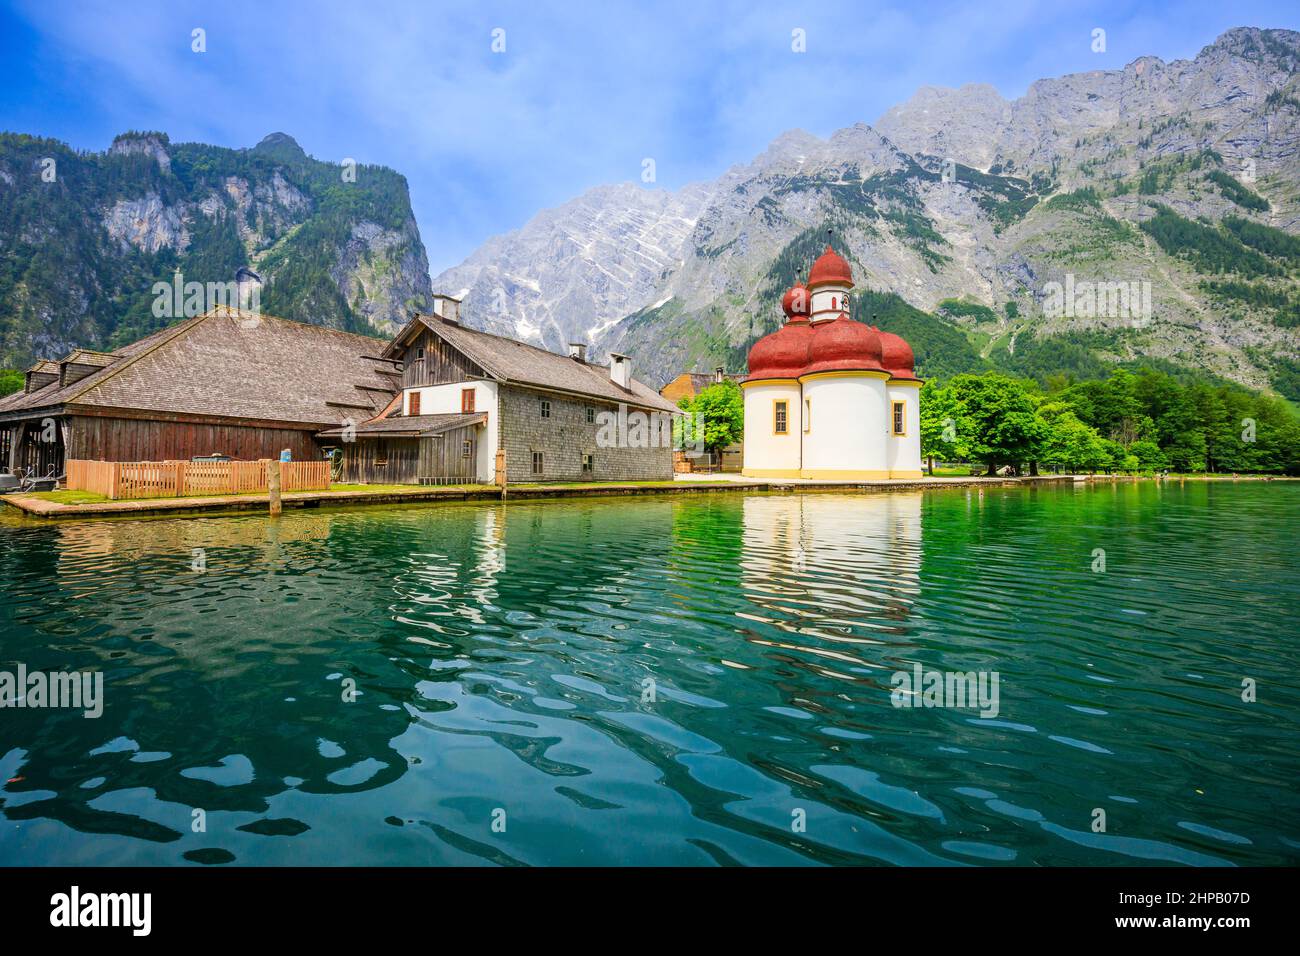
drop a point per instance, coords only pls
(842, 569)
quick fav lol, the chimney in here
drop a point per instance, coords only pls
(620, 370)
(719, 375)
(446, 308)
(248, 289)
(578, 350)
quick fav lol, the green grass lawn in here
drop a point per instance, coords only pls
(600, 484)
(391, 488)
(66, 497)
(951, 471)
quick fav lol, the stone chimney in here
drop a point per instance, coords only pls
(446, 308)
(578, 350)
(620, 370)
(248, 287)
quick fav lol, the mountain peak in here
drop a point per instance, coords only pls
(1257, 43)
(152, 144)
(281, 146)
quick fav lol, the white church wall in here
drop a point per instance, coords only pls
(767, 453)
(904, 458)
(845, 438)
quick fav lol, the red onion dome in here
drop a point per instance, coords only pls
(844, 345)
(831, 268)
(896, 355)
(795, 301)
(783, 354)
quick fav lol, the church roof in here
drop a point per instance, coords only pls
(831, 268)
(801, 347)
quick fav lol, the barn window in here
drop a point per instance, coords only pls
(781, 417)
(588, 463)
(546, 408)
(537, 463)
(900, 418)
(419, 354)
(414, 403)
(467, 399)
(381, 452)
(591, 415)
(467, 448)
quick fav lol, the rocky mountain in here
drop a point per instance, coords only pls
(571, 272)
(1162, 200)
(85, 236)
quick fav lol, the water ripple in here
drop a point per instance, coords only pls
(697, 681)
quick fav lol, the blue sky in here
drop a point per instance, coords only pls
(583, 92)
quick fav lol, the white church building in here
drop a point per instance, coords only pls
(828, 397)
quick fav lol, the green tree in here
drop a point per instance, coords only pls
(723, 408)
(997, 419)
(1149, 456)
(1068, 444)
(11, 380)
(940, 437)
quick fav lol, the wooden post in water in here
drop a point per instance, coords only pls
(501, 471)
(273, 486)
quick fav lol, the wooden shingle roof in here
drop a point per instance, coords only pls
(233, 364)
(511, 361)
(410, 426)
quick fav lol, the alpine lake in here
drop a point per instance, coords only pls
(696, 679)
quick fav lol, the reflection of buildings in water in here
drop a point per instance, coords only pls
(170, 581)
(130, 538)
(488, 548)
(243, 659)
(845, 570)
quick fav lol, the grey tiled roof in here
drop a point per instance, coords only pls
(416, 426)
(702, 380)
(522, 364)
(234, 364)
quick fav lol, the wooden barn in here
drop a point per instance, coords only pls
(226, 382)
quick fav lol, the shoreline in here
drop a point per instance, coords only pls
(220, 505)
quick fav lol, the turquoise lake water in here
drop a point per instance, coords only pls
(691, 680)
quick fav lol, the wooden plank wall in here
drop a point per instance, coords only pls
(409, 460)
(441, 363)
(126, 439)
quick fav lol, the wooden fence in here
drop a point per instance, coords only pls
(172, 479)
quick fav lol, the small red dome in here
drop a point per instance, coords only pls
(795, 300)
(896, 355)
(831, 268)
(844, 345)
(783, 354)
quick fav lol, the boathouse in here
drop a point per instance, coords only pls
(227, 382)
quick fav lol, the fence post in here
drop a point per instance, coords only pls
(180, 479)
(114, 479)
(273, 485)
